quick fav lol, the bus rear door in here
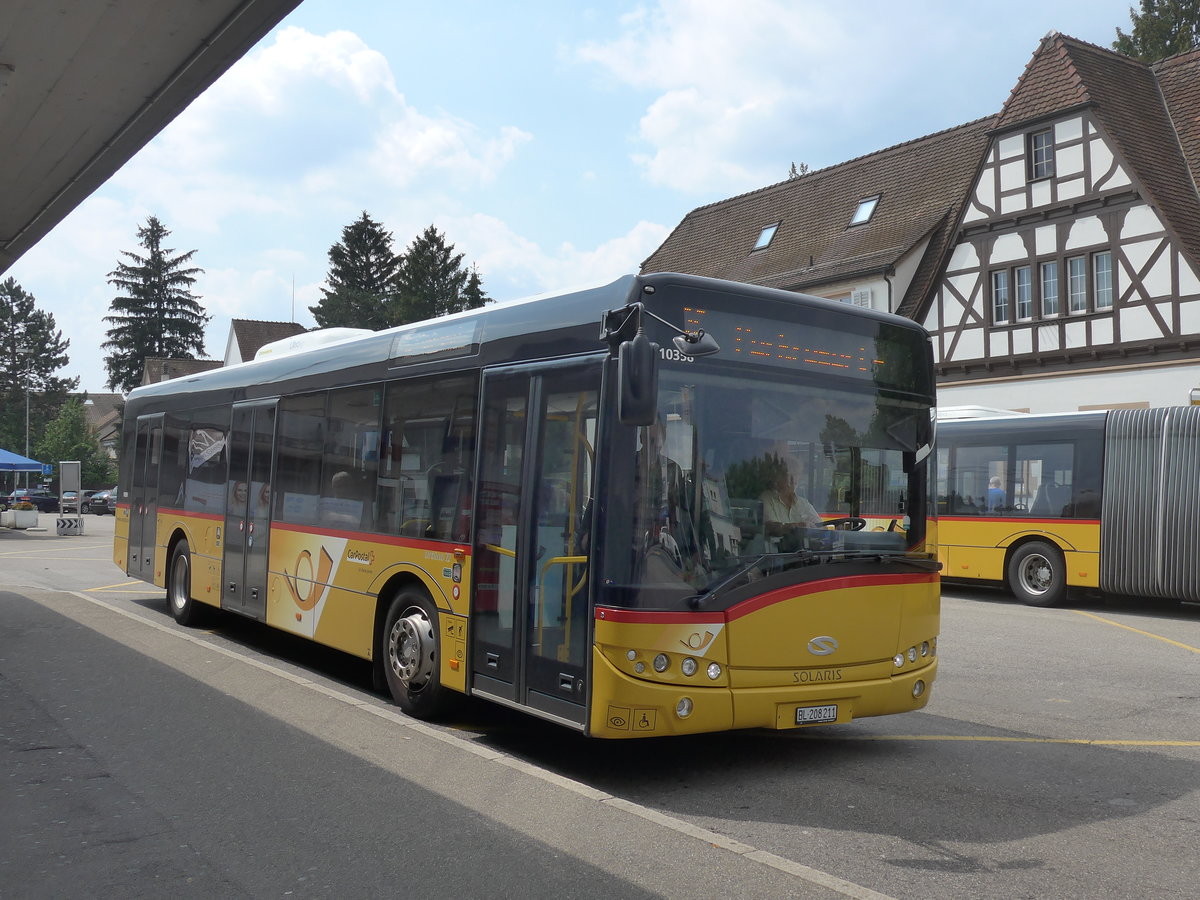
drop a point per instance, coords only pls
(530, 606)
(248, 508)
(143, 497)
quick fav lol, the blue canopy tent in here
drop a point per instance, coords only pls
(15, 462)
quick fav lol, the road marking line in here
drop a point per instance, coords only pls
(997, 739)
(123, 584)
(762, 857)
(1157, 637)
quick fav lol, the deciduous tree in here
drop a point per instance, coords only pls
(69, 437)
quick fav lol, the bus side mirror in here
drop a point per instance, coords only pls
(637, 379)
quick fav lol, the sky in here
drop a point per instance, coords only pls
(555, 144)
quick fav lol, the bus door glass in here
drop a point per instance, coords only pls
(530, 617)
(248, 508)
(143, 497)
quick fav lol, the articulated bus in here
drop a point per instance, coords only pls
(557, 505)
(1105, 501)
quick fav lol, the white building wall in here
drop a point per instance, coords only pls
(1153, 387)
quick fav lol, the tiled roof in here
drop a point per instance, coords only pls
(1139, 112)
(921, 184)
(1150, 113)
(252, 334)
(156, 368)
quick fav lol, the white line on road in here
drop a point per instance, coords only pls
(762, 857)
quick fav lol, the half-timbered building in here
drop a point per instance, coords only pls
(1064, 273)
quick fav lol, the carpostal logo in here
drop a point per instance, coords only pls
(366, 557)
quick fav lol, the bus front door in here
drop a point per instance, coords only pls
(248, 508)
(530, 621)
(143, 497)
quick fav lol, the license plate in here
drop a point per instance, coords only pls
(812, 715)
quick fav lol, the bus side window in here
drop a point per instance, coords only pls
(428, 455)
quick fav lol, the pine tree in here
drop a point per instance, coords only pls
(433, 282)
(473, 296)
(32, 349)
(361, 282)
(1163, 28)
(69, 437)
(156, 315)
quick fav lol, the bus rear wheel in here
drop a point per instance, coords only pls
(1037, 574)
(411, 653)
(179, 587)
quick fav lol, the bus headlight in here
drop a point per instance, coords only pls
(688, 666)
(918, 689)
(912, 654)
(661, 662)
(924, 648)
(714, 671)
(640, 668)
(683, 708)
(898, 659)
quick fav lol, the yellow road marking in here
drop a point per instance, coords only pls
(1157, 637)
(1091, 742)
(123, 584)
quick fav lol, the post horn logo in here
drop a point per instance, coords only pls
(314, 586)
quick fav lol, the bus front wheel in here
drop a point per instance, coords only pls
(179, 587)
(1037, 574)
(412, 655)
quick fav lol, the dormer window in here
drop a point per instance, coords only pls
(764, 239)
(866, 209)
(1041, 154)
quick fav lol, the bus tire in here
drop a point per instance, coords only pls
(1037, 574)
(179, 587)
(410, 648)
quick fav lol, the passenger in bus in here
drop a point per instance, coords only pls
(995, 494)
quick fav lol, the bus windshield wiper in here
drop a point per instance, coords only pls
(917, 562)
(800, 557)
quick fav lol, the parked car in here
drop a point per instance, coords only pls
(39, 497)
(69, 501)
(85, 504)
(104, 502)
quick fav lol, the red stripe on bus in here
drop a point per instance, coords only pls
(371, 537)
(1007, 520)
(190, 514)
(611, 614)
(754, 604)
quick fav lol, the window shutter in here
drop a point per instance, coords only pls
(861, 297)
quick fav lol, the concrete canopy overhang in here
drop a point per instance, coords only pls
(85, 84)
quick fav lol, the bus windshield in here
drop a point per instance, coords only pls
(749, 474)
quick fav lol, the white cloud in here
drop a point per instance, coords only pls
(506, 258)
(737, 84)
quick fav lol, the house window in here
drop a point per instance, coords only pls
(1102, 281)
(1000, 297)
(1041, 154)
(866, 209)
(764, 238)
(1077, 293)
(1023, 278)
(1050, 289)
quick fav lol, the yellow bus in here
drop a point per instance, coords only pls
(1103, 501)
(563, 505)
